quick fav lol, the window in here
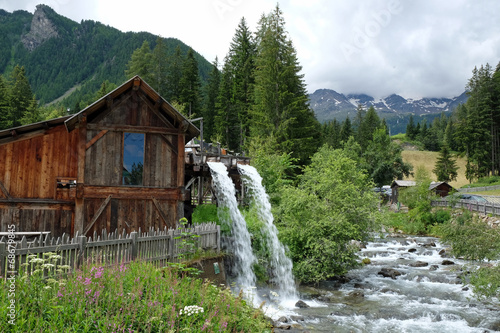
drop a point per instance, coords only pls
(133, 158)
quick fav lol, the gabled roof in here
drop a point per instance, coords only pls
(433, 185)
(30, 130)
(403, 183)
(136, 83)
(170, 113)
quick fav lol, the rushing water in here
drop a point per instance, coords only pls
(281, 265)
(230, 214)
(430, 298)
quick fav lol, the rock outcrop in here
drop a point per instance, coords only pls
(42, 29)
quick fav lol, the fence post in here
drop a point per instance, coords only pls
(171, 245)
(134, 236)
(3, 255)
(82, 245)
(218, 238)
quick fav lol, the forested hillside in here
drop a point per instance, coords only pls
(59, 54)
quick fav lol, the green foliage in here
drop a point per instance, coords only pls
(205, 213)
(471, 238)
(190, 85)
(445, 168)
(135, 297)
(332, 205)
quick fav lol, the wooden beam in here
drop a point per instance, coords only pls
(132, 192)
(80, 178)
(169, 144)
(163, 216)
(4, 191)
(180, 160)
(136, 129)
(95, 139)
(156, 111)
(97, 214)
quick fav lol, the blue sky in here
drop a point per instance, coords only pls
(423, 48)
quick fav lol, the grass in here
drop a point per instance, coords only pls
(136, 297)
(427, 159)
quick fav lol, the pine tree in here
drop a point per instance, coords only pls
(140, 63)
(410, 128)
(445, 168)
(346, 130)
(209, 108)
(174, 75)
(4, 104)
(237, 89)
(281, 103)
(22, 102)
(159, 66)
(190, 85)
(369, 124)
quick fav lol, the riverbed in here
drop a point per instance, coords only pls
(411, 284)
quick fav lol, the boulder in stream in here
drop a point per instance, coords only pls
(301, 304)
(389, 272)
(418, 264)
(447, 262)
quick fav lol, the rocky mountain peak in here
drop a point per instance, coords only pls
(42, 29)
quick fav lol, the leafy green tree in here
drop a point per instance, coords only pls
(446, 167)
(190, 84)
(332, 205)
(281, 106)
(383, 159)
(473, 239)
(141, 63)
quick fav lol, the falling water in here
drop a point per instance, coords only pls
(281, 265)
(226, 197)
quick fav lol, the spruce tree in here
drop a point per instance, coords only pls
(190, 85)
(369, 124)
(22, 102)
(410, 128)
(4, 104)
(445, 168)
(281, 103)
(209, 108)
(346, 130)
(159, 67)
(174, 75)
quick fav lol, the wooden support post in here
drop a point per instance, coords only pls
(200, 190)
(80, 179)
(97, 214)
(180, 160)
(134, 236)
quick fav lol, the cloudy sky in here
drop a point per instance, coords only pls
(422, 48)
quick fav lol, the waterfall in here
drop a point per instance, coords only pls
(242, 247)
(281, 265)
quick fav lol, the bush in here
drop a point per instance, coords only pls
(136, 297)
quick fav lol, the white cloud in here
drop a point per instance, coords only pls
(414, 48)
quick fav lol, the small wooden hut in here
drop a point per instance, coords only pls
(117, 164)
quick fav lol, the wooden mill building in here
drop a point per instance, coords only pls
(117, 164)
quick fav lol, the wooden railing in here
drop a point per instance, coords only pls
(159, 247)
(479, 189)
(472, 205)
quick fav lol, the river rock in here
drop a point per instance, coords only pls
(301, 304)
(412, 250)
(389, 272)
(418, 264)
(447, 262)
(282, 320)
(434, 268)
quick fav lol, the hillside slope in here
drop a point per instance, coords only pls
(59, 54)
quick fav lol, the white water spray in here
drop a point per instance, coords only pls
(226, 197)
(281, 265)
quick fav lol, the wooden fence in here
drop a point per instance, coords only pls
(158, 246)
(472, 205)
(479, 189)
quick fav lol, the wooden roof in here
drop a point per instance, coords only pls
(169, 113)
